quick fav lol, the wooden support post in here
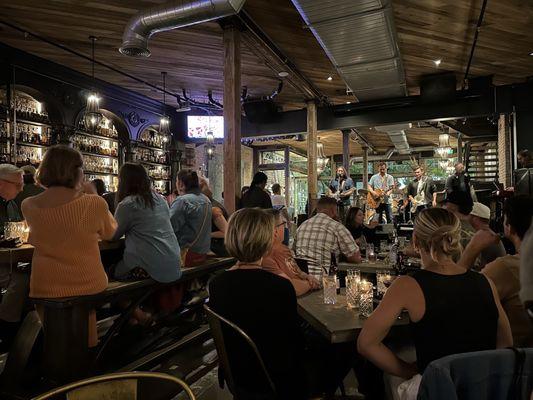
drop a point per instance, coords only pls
(346, 150)
(232, 117)
(504, 150)
(287, 176)
(365, 167)
(312, 176)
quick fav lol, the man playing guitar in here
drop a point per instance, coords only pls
(380, 188)
(421, 192)
(341, 188)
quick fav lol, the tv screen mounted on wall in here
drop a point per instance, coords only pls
(199, 125)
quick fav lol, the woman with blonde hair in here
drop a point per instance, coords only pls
(65, 228)
(452, 310)
(263, 305)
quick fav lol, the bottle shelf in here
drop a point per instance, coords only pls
(146, 146)
(96, 136)
(27, 144)
(157, 164)
(86, 153)
(87, 172)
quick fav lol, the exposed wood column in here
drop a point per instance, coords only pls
(504, 150)
(232, 117)
(312, 176)
(287, 176)
(346, 150)
(365, 167)
(459, 147)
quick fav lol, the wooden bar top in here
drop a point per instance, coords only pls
(336, 322)
(24, 253)
(366, 267)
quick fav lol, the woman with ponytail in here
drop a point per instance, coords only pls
(452, 310)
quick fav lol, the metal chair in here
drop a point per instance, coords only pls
(122, 386)
(215, 323)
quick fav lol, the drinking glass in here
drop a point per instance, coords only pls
(329, 283)
(366, 302)
(370, 254)
(14, 230)
(384, 280)
(353, 277)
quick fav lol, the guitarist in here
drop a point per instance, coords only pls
(421, 192)
(380, 187)
(341, 188)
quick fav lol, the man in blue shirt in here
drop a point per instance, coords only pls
(380, 186)
(341, 188)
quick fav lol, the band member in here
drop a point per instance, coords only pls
(421, 192)
(341, 188)
(460, 182)
(380, 187)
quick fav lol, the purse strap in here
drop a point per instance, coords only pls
(515, 387)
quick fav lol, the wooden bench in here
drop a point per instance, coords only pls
(66, 356)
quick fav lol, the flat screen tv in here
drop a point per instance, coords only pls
(199, 125)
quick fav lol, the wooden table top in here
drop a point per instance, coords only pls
(24, 253)
(337, 323)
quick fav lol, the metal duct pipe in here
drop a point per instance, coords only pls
(378, 157)
(173, 15)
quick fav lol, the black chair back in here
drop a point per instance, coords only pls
(216, 322)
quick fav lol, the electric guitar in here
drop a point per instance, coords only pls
(419, 198)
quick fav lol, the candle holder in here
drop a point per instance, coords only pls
(329, 284)
(366, 302)
(353, 277)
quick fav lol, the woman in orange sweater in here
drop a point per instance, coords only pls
(65, 227)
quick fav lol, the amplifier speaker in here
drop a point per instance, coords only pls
(437, 88)
(260, 111)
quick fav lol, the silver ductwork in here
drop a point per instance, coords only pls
(397, 136)
(359, 38)
(173, 15)
(379, 157)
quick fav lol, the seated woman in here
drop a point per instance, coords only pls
(152, 249)
(190, 215)
(452, 310)
(280, 261)
(357, 227)
(263, 305)
(65, 227)
(219, 221)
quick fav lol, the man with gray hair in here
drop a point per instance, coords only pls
(13, 281)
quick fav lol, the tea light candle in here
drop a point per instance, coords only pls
(365, 285)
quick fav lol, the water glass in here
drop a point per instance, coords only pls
(353, 278)
(366, 298)
(329, 283)
(370, 253)
(384, 280)
(14, 230)
(401, 242)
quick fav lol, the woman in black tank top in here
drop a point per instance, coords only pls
(452, 310)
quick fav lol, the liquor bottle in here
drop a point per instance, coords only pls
(333, 271)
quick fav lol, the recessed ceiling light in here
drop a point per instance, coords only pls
(531, 54)
(283, 74)
(330, 78)
(437, 62)
(348, 102)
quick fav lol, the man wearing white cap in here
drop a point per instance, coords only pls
(479, 219)
(15, 282)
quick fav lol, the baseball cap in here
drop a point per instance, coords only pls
(7, 170)
(480, 210)
(29, 170)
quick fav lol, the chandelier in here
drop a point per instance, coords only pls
(444, 149)
(321, 159)
(164, 122)
(210, 145)
(92, 116)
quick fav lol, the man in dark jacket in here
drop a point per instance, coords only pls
(256, 196)
(30, 187)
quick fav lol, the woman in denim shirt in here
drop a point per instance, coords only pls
(152, 249)
(190, 215)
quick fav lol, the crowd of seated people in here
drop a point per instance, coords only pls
(259, 293)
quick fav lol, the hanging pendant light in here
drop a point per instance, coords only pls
(92, 116)
(321, 159)
(444, 149)
(164, 123)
